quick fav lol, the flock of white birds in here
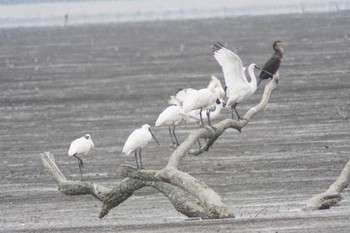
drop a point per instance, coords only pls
(189, 104)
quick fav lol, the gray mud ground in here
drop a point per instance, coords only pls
(59, 83)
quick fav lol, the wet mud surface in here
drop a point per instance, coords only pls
(107, 80)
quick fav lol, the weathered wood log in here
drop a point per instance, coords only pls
(182, 201)
(208, 198)
(331, 196)
(211, 202)
(230, 123)
(189, 195)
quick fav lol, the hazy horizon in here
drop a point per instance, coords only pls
(53, 12)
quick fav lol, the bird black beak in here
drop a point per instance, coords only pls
(153, 136)
(257, 67)
(218, 101)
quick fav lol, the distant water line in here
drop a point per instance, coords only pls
(78, 13)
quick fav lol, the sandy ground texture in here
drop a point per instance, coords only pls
(107, 80)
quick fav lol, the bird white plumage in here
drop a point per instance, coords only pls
(203, 98)
(81, 146)
(239, 87)
(171, 116)
(193, 116)
(138, 139)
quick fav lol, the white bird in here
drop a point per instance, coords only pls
(138, 139)
(239, 86)
(171, 116)
(81, 146)
(205, 98)
(194, 117)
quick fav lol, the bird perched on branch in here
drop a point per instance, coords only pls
(239, 85)
(171, 116)
(193, 116)
(137, 140)
(205, 98)
(271, 66)
(81, 146)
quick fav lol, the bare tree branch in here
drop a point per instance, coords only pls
(189, 195)
(110, 198)
(331, 196)
(209, 200)
(220, 127)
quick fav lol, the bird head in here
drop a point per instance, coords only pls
(277, 44)
(220, 102)
(87, 136)
(252, 67)
(148, 127)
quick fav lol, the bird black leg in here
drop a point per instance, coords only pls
(137, 164)
(201, 118)
(140, 158)
(208, 117)
(81, 165)
(171, 135)
(234, 108)
(177, 142)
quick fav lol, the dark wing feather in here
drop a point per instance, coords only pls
(271, 66)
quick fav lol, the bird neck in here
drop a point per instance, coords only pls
(280, 51)
(212, 86)
(253, 82)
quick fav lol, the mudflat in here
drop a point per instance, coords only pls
(60, 83)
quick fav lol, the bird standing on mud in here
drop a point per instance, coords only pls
(138, 139)
(81, 146)
(271, 66)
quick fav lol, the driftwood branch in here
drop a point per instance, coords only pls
(209, 199)
(331, 196)
(220, 127)
(189, 195)
(211, 202)
(110, 198)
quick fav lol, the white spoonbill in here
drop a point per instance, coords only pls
(81, 146)
(205, 98)
(239, 86)
(138, 139)
(193, 116)
(171, 116)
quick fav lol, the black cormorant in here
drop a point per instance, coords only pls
(271, 66)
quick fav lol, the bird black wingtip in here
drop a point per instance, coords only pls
(217, 46)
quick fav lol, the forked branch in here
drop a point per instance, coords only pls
(220, 127)
(331, 196)
(208, 198)
(110, 198)
(189, 195)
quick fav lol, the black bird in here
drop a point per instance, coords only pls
(271, 66)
